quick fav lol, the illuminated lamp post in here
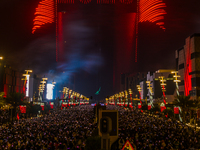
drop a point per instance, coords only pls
(106, 101)
(149, 87)
(176, 76)
(130, 94)
(120, 99)
(41, 89)
(69, 96)
(163, 84)
(81, 97)
(42, 85)
(126, 99)
(26, 82)
(78, 98)
(113, 100)
(139, 90)
(123, 98)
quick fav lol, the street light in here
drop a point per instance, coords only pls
(1, 58)
(42, 87)
(139, 90)
(150, 88)
(163, 84)
(176, 76)
(26, 81)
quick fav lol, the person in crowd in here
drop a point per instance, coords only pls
(61, 130)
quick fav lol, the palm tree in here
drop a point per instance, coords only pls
(15, 99)
(184, 102)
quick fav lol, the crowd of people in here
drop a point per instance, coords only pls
(63, 129)
(70, 128)
(147, 132)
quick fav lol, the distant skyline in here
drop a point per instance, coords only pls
(156, 49)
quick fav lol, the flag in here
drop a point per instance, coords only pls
(17, 116)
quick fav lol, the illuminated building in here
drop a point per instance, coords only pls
(157, 92)
(188, 66)
(10, 80)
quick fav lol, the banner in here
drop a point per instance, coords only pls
(176, 110)
(22, 108)
(149, 106)
(42, 106)
(162, 108)
(139, 105)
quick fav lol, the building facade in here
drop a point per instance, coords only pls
(157, 94)
(188, 66)
(10, 80)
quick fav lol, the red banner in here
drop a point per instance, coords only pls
(22, 108)
(162, 108)
(176, 110)
(139, 105)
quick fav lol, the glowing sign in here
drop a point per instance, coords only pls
(27, 86)
(49, 91)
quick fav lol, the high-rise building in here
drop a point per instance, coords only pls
(188, 66)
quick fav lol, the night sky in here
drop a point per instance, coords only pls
(89, 58)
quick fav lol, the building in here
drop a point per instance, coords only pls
(188, 66)
(10, 80)
(131, 80)
(157, 93)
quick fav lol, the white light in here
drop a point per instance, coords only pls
(49, 91)
(27, 86)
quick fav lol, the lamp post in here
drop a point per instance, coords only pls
(139, 90)
(130, 93)
(149, 87)
(42, 87)
(26, 82)
(163, 84)
(176, 76)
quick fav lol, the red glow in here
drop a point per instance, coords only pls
(164, 95)
(44, 14)
(85, 1)
(60, 37)
(162, 108)
(152, 11)
(176, 110)
(105, 1)
(66, 1)
(139, 106)
(188, 69)
(126, 1)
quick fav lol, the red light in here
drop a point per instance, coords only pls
(105, 1)
(44, 14)
(188, 69)
(152, 11)
(66, 1)
(85, 1)
(126, 1)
